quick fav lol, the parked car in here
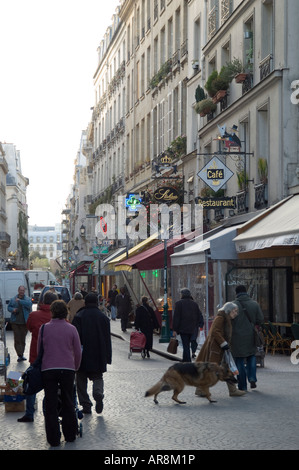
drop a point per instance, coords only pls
(62, 291)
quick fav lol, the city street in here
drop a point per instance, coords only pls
(265, 419)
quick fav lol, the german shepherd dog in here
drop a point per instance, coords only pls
(196, 374)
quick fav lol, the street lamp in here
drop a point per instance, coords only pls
(82, 230)
(76, 254)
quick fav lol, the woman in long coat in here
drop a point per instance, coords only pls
(218, 340)
(147, 322)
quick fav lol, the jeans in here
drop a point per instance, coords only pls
(30, 408)
(186, 341)
(113, 312)
(247, 371)
(53, 379)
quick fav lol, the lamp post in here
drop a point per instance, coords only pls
(76, 254)
(165, 331)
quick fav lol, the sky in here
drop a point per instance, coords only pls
(48, 56)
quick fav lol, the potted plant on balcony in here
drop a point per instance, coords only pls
(209, 86)
(205, 106)
(235, 70)
(262, 168)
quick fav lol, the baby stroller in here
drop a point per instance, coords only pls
(137, 343)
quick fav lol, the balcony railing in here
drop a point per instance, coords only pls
(265, 67)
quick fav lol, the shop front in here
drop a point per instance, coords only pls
(80, 276)
(268, 253)
(201, 266)
(144, 273)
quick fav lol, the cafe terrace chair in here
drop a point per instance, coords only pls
(295, 330)
(280, 343)
(268, 337)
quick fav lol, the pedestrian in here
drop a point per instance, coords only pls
(147, 322)
(187, 318)
(35, 320)
(124, 307)
(219, 340)
(94, 330)
(83, 291)
(61, 359)
(243, 344)
(112, 301)
(19, 306)
(74, 305)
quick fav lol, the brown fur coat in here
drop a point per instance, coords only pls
(221, 331)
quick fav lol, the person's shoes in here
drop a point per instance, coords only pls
(193, 356)
(99, 406)
(237, 393)
(86, 411)
(21, 358)
(252, 384)
(124, 331)
(25, 419)
(148, 354)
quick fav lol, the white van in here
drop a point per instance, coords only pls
(10, 281)
(36, 277)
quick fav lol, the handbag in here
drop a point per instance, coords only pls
(172, 346)
(32, 377)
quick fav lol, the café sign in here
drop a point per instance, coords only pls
(215, 174)
(166, 195)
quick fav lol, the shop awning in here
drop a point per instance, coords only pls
(153, 258)
(81, 270)
(219, 244)
(150, 241)
(277, 229)
(114, 255)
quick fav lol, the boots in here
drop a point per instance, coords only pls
(234, 392)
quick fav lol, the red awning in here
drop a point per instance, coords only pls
(81, 270)
(153, 258)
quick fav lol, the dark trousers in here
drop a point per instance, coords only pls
(124, 318)
(186, 342)
(20, 332)
(53, 380)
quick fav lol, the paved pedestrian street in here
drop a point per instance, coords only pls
(267, 418)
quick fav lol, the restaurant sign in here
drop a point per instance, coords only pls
(217, 203)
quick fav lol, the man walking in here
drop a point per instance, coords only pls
(123, 304)
(94, 330)
(243, 344)
(19, 306)
(187, 318)
(112, 301)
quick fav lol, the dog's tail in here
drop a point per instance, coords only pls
(160, 386)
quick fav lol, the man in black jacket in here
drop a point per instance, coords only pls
(187, 318)
(94, 330)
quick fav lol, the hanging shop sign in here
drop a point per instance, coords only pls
(133, 202)
(166, 195)
(215, 174)
(217, 203)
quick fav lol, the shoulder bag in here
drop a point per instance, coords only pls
(32, 377)
(258, 335)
